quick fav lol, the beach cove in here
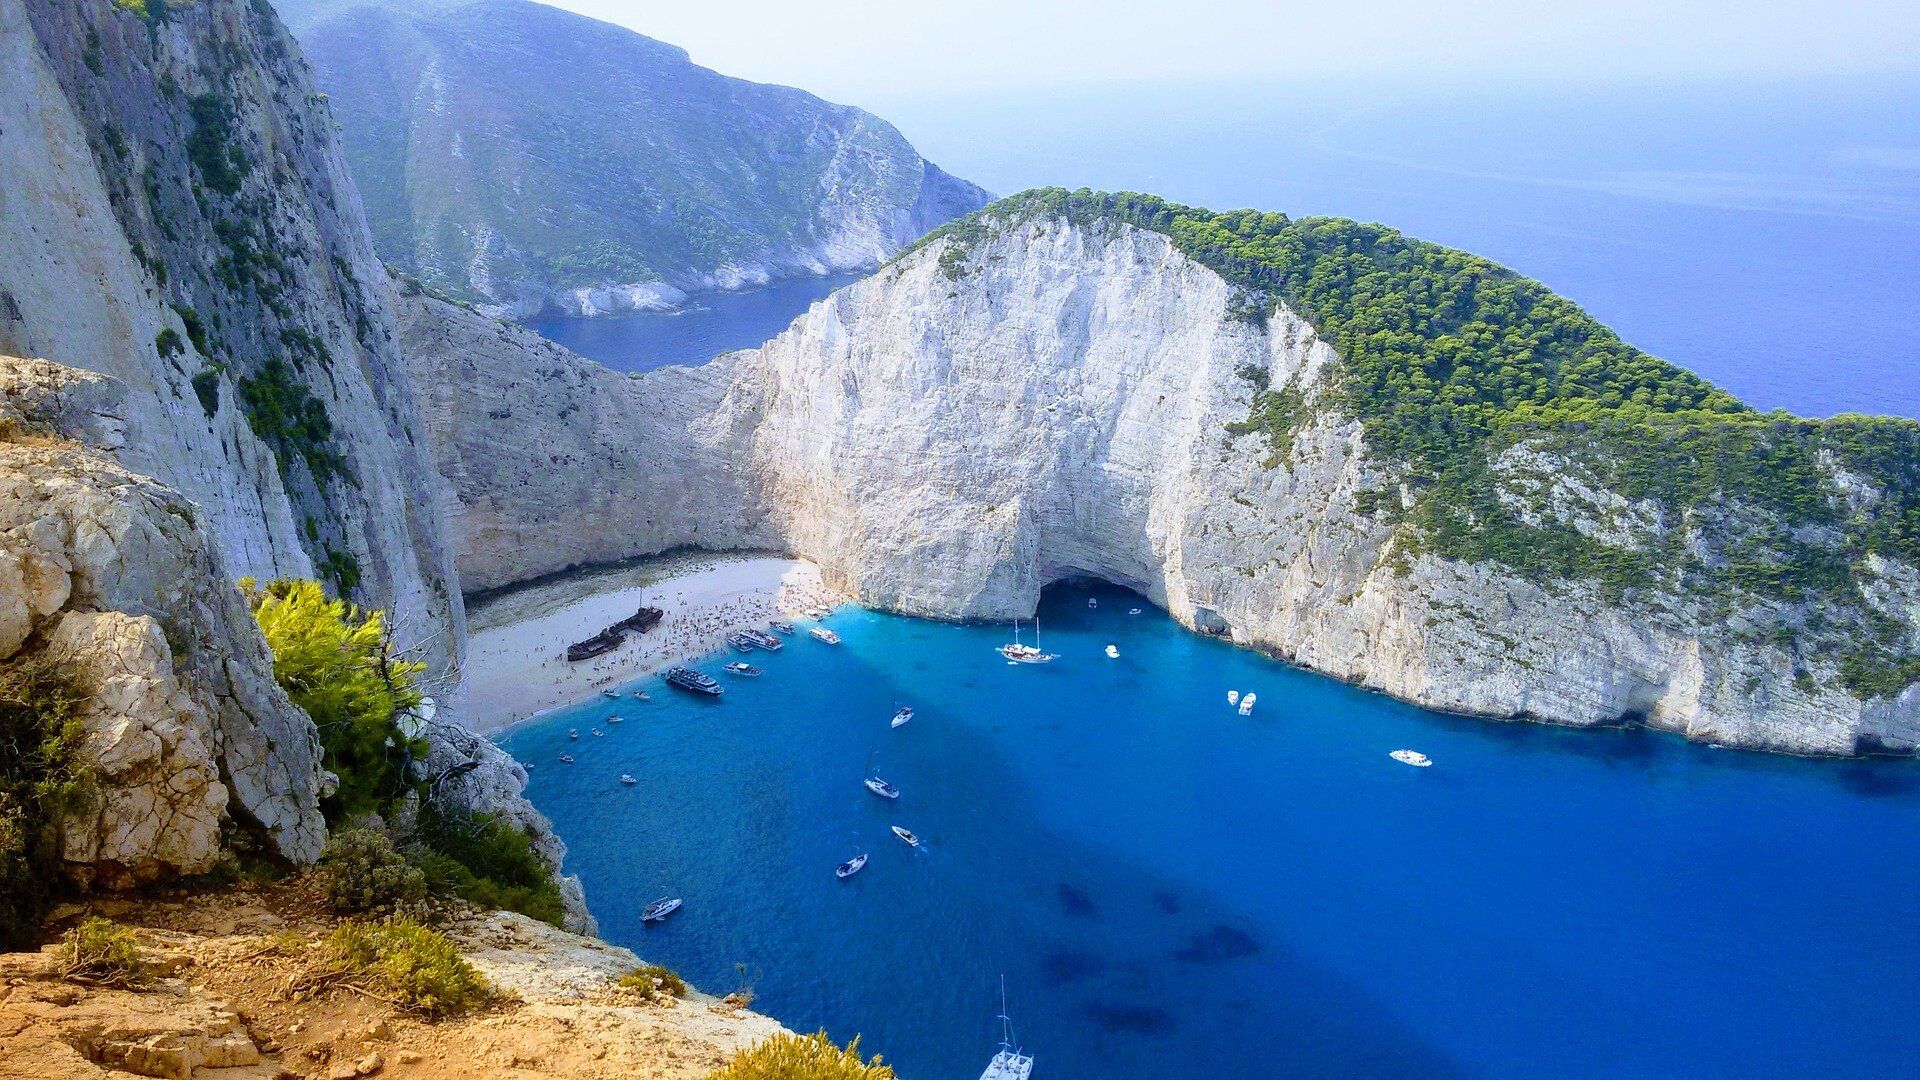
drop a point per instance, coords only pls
(517, 666)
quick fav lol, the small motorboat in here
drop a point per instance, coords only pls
(783, 627)
(1411, 757)
(904, 715)
(1113, 652)
(627, 778)
(1093, 602)
(574, 734)
(742, 669)
(741, 642)
(609, 693)
(851, 867)
(1133, 611)
(597, 733)
(1246, 703)
(882, 788)
(1233, 697)
(641, 695)
(660, 909)
(566, 759)
(764, 640)
(826, 635)
(615, 719)
(911, 840)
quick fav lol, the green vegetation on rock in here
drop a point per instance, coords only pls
(787, 1056)
(488, 863)
(413, 965)
(101, 952)
(1459, 367)
(40, 778)
(335, 661)
(287, 416)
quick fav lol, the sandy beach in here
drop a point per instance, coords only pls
(516, 659)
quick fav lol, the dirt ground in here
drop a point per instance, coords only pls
(230, 997)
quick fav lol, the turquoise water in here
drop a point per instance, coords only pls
(1174, 891)
(710, 324)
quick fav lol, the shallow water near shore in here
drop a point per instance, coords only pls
(1173, 890)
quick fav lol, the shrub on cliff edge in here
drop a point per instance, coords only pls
(337, 663)
(364, 872)
(414, 966)
(40, 778)
(803, 1057)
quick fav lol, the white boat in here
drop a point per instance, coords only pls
(912, 840)
(743, 669)
(903, 716)
(1233, 697)
(1093, 602)
(1017, 653)
(574, 734)
(615, 719)
(597, 733)
(1133, 611)
(1113, 652)
(609, 693)
(825, 635)
(660, 909)
(881, 788)
(627, 778)
(566, 759)
(1411, 757)
(1010, 1063)
(1246, 703)
(851, 867)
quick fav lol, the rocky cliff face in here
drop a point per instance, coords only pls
(177, 214)
(531, 159)
(1053, 399)
(178, 231)
(117, 577)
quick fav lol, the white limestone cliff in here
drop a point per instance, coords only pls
(116, 577)
(948, 443)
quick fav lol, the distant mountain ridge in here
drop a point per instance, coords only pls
(529, 159)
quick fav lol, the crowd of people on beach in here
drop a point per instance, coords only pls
(690, 628)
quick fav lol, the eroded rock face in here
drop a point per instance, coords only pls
(114, 572)
(177, 214)
(950, 436)
(158, 801)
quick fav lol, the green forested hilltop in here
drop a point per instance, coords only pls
(1451, 360)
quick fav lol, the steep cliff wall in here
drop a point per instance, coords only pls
(522, 156)
(1038, 398)
(177, 214)
(115, 576)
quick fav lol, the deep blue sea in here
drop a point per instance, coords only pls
(710, 324)
(1175, 891)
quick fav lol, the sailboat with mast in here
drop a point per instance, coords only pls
(1009, 1063)
(1017, 653)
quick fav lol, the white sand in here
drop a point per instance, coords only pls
(516, 659)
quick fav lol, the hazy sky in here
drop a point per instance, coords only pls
(852, 49)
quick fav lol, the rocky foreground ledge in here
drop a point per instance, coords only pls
(221, 1000)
